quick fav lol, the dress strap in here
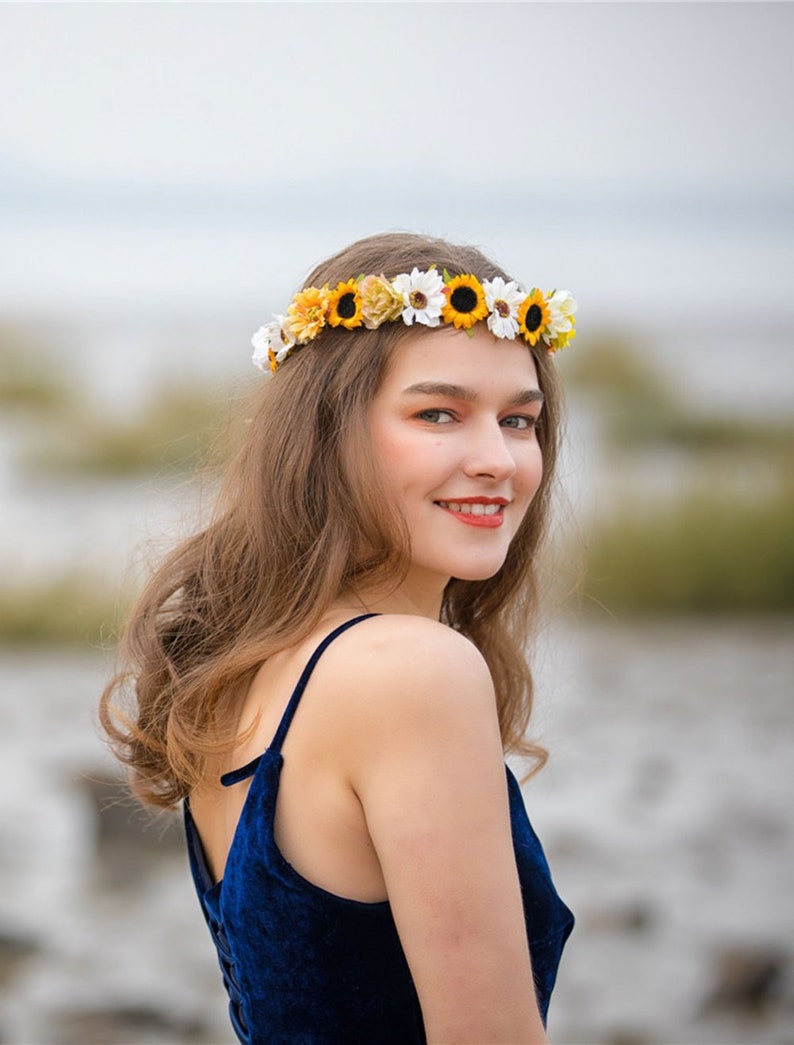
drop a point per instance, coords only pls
(236, 775)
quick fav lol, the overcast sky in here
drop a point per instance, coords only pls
(475, 93)
(183, 154)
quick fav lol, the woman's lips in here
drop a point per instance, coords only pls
(487, 512)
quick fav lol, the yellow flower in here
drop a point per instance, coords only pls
(380, 302)
(307, 314)
(465, 302)
(563, 340)
(560, 328)
(533, 316)
(344, 306)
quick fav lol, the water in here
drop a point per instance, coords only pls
(666, 805)
(665, 812)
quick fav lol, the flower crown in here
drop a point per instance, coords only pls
(429, 298)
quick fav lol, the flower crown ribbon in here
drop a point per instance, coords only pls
(429, 298)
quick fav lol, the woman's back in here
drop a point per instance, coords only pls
(319, 824)
(267, 915)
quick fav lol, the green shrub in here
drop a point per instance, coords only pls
(637, 409)
(66, 611)
(26, 377)
(178, 430)
(706, 553)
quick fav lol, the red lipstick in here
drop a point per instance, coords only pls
(488, 513)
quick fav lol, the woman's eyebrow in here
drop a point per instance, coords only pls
(468, 395)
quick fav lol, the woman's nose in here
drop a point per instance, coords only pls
(488, 454)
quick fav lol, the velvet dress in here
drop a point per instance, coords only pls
(303, 966)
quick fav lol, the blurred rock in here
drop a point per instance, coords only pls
(746, 980)
(127, 1024)
(627, 1036)
(635, 916)
(129, 841)
(14, 951)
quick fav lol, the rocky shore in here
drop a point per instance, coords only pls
(665, 812)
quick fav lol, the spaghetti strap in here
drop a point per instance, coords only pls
(236, 775)
(297, 693)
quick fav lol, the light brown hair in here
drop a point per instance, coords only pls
(301, 519)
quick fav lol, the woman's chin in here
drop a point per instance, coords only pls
(480, 572)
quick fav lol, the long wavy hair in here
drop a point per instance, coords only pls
(301, 519)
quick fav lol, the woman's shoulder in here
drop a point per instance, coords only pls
(393, 628)
(416, 644)
(405, 667)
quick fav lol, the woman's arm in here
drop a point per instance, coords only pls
(427, 766)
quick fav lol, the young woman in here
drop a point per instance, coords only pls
(328, 675)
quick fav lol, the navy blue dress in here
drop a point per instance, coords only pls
(303, 966)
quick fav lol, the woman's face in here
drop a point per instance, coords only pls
(453, 426)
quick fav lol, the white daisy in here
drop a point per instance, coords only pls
(284, 342)
(261, 342)
(423, 296)
(503, 300)
(273, 337)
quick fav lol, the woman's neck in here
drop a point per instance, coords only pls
(415, 596)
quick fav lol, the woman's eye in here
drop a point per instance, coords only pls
(521, 422)
(436, 417)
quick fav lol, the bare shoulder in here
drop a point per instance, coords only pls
(388, 658)
(416, 644)
(395, 680)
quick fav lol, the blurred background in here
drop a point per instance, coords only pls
(168, 175)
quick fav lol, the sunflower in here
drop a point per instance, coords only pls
(307, 314)
(533, 316)
(344, 306)
(465, 302)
